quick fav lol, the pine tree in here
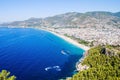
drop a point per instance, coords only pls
(4, 75)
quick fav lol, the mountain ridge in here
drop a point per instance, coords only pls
(72, 19)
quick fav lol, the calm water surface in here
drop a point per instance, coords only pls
(32, 54)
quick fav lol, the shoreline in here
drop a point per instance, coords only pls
(71, 41)
(79, 66)
(78, 63)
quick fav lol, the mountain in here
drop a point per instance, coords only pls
(72, 20)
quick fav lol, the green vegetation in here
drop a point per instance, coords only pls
(4, 75)
(104, 63)
(86, 43)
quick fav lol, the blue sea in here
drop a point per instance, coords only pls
(32, 54)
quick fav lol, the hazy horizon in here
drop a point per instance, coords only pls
(14, 10)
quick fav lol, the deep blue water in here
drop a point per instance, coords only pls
(32, 54)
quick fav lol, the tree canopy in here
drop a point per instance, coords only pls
(5, 75)
(102, 66)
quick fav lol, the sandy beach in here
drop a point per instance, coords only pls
(68, 40)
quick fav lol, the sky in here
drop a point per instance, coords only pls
(16, 10)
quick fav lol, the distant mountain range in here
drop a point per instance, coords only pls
(95, 19)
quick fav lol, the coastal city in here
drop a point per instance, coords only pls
(98, 36)
(60, 40)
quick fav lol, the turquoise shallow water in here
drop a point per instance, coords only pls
(33, 54)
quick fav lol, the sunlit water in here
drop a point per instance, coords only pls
(32, 54)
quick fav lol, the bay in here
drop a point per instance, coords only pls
(32, 54)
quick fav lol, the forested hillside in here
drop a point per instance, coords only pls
(104, 63)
